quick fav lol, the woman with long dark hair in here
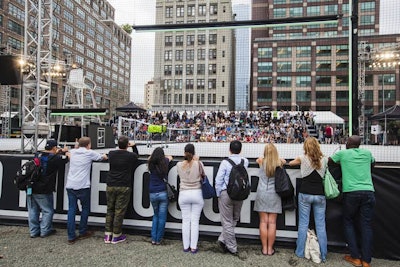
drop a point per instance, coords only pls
(190, 198)
(311, 194)
(158, 167)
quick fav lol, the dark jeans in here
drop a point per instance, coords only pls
(83, 195)
(359, 205)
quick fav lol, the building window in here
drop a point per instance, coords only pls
(324, 50)
(202, 10)
(284, 96)
(342, 65)
(212, 69)
(201, 39)
(284, 81)
(323, 80)
(168, 55)
(168, 70)
(303, 96)
(180, 11)
(284, 52)
(201, 69)
(296, 11)
(303, 66)
(279, 12)
(189, 69)
(191, 10)
(190, 39)
(168, 41)
(190, 54)
(284, 66)
(367, 20)
(323, 96)
(201, 54)
(212, 54)
(303, 81)
(264, 81)
(189, 84)
(331, 9)
(179, 40)
(342, 50)
(342, 96)
(323, 65)
(178, 84)
(178, 69)
(263, 96)
(213, 9)
(264, 67)
(212, 39)
(342, 80)
(265, 52)
(200, 84)
(169, 12)
(212, 84)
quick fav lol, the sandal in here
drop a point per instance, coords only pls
(262, 253)
(273, 252)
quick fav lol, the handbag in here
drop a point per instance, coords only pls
(330, 186)
(312, 250)
(171, 191)
(206, 188)
(283, 185)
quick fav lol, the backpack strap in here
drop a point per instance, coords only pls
(231, 161)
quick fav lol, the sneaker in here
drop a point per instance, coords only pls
(107, 239)
(222, 246)
(86, 235)
(51, 232)
(186, 250)
(194, 251)
(118, 239)
(352, 261)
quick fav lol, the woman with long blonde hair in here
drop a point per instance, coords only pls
(268, 202)
(311, 194)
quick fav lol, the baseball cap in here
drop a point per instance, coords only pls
(50, 144)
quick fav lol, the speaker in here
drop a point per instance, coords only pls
(10, 70)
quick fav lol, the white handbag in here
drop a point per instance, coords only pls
(312, 250)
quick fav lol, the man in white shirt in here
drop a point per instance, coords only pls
(78, 187)
(229, 209)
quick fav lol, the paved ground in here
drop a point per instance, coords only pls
(18, 249)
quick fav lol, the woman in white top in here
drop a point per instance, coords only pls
(190, 198)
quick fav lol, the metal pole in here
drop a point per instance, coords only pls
(383, 107)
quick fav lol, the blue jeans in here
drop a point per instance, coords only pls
(159, 201)
(318, 203)
(359, 205)
(84, 197)
(40, 203)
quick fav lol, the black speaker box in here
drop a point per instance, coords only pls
(10, 72)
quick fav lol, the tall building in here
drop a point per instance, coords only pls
(84, 34)
(149, 95)
(242, 58)
(193, 68)
(307, 66)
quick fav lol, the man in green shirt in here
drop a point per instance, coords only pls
(358, 198)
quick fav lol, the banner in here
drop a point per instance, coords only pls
(139, 213)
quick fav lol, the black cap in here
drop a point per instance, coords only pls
(50, 144)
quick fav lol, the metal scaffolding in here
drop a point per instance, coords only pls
(37, 79)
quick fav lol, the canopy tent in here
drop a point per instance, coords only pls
(392, 113)
(130, 107)
(327, 117)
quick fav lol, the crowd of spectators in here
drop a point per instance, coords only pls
(222, 126)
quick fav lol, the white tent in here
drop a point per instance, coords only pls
(327, 117)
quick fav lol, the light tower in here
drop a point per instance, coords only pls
(38, 44)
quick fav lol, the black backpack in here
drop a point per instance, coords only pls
(238, 187)
(28, 174)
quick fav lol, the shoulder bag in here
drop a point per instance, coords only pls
(171, 191)
(283, 185)
(207, 189)
(330, 186)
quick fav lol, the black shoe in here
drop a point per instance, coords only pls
(51, 232)
(223, 247)
(34, 236)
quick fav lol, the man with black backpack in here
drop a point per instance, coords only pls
(40, 196)
(232, 186)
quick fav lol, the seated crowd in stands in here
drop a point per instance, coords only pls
(224, 126)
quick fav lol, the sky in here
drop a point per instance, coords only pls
(142, 12)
